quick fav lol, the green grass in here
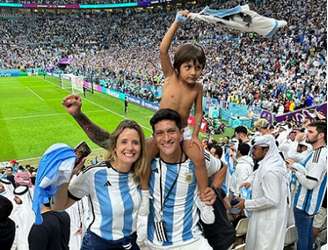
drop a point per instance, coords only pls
(32, 117)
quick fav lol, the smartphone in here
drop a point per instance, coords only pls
(81, 150)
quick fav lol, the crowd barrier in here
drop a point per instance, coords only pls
(12, 72)
(122, 96)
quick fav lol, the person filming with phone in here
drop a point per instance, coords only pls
(112, 188)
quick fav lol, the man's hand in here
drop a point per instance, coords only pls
(73, 104)
(300, 136)
(78, 168)
(208, 196)
(290, 162)
(79, 231)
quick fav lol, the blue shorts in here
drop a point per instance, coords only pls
(91, 241)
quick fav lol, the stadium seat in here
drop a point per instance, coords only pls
(241, 228)
(240, 247)
(291, 235)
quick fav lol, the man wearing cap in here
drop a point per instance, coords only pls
(262, 126)
(267, 208)
(311, 177)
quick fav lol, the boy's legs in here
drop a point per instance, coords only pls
(196, 155)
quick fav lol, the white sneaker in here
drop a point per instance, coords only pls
(206, 212)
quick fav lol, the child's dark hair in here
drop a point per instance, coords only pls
(188, 52)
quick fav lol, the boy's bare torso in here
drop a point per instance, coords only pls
(179, 97)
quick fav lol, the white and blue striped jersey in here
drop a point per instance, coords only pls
(180, 214)
(307, 200)
(114, 199)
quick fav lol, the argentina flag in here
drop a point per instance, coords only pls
(240, 18)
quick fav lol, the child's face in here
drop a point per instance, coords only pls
(190, 72)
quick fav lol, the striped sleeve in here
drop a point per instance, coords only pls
(318, 165)
(79, 186)
(212, 164)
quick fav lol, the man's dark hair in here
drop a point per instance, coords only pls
(244, 148)
(218, 150)
(189, 52)
(241, 129)
(5, 208)
(321, 127)
(166, 114)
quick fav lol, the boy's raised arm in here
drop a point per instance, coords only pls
(98, 135)
(166, 63)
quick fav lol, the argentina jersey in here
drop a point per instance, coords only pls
(180, 217)
(180, 213)
(310, 200)
(114, 199)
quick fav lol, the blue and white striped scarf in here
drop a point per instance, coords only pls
(57, 159)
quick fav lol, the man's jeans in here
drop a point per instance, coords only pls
(92, 241)
(303, 223)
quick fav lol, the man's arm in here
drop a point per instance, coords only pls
(98, 135)
(219, 177)
(166, 64)
(198, 112)
(272, 193)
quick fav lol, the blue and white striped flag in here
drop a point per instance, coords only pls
(55, 168)
(240, 18)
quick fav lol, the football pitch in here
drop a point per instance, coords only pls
(32, 117)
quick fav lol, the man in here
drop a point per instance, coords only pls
(7, 226)
(53, 233)
(173, 217)
(262, 126)
(241, 134)
(126, 103)
(268, 205)
(312, 183)
(244, 168)
(23, 216)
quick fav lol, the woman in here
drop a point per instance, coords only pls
(112, 188)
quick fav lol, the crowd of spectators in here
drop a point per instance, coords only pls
(281, 74)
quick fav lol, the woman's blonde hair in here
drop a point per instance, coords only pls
(139, 168)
